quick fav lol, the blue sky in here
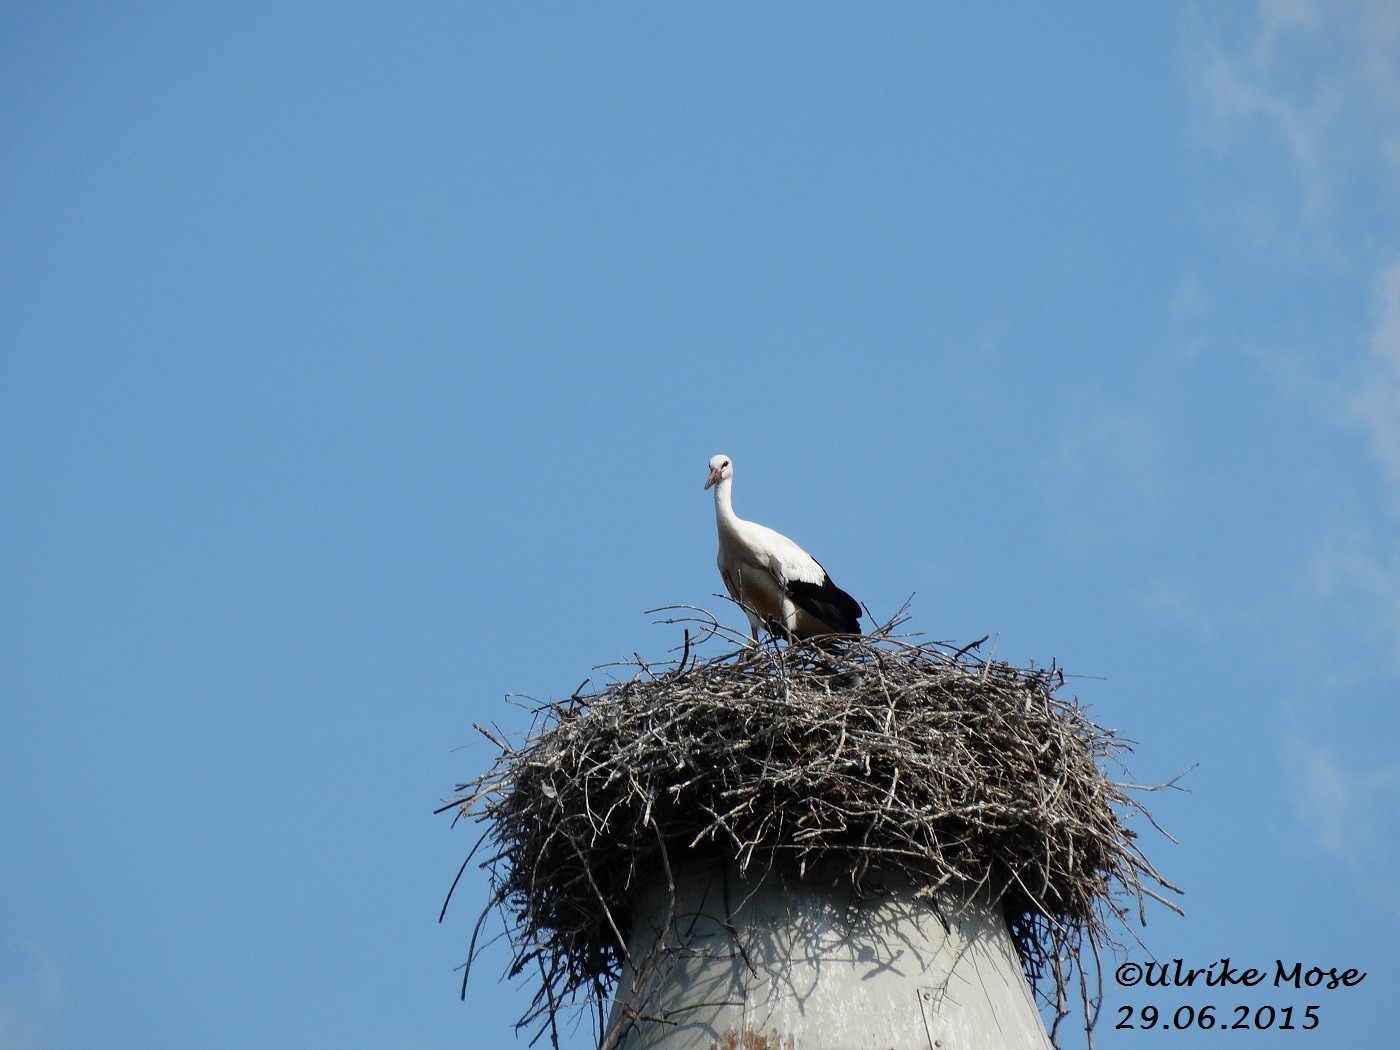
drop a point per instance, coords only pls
(360, 367)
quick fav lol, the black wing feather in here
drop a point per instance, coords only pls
(828, 603)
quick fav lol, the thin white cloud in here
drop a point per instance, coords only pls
(1240, 88)
(1322, 79)
(1180, 604)
(1349, 568)
(1358, 563)
(32, 994)
(1378, 403)
(1351, 816)
(1308, 91)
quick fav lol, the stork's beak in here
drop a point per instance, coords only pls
(713, 478)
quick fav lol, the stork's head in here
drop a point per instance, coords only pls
(721, 469)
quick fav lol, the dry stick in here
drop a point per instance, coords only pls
(471, 952)
(472, 853)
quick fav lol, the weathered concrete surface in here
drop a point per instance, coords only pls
(738, 966)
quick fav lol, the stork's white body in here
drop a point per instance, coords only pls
(777, 584)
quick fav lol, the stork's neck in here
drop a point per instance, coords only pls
(724, 509)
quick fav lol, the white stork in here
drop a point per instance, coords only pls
(777, 584)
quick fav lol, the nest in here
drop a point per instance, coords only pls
(843, 761)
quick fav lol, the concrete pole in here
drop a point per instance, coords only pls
(735, 965)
